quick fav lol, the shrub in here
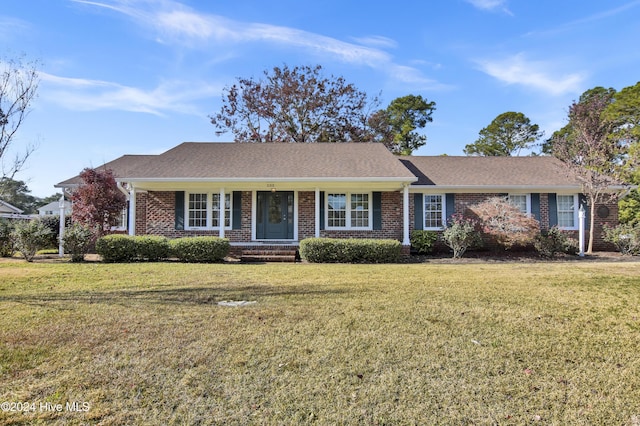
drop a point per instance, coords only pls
(200, 249)
(152, 248)
(6, 242)
(504, 224)
(554, 241)
(626, 237)
(423, 241)
(460, 235)
(339, 250)
(116, 248)
(30, 236)
(77, 240)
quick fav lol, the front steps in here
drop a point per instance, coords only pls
(267, 253)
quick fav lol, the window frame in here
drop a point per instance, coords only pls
(528, 201)
(209, 211)
(575, 211)
(348, 211)
(443, 212)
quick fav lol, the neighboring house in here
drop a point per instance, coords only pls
(278, 194)
(53, 209)
(9, 211)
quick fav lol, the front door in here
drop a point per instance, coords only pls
(274, 215)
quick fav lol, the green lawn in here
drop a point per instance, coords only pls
(511, 343)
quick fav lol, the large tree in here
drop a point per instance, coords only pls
(396, 125)
(586, 145)
(18, 86)
(508, 134)
(16, 193)
(98, 202)
(296, 104)
(625, 112)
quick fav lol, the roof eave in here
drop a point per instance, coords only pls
(274, 179)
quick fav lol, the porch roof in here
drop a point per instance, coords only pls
(203, 161)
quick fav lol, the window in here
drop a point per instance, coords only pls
(521, 201)
(201, 214)
(337, 210)
(359, 210)
(215, 210)
(567, 210)
(348, 211)
(434, 211)
(197, 210)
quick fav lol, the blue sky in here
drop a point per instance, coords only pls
(141, 76)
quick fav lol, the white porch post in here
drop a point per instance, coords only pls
(317, 221)
(132, 210)
(221, 218)
(581, 217)
(62, 223)
(405, 216)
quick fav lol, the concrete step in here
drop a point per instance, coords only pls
(265, 255)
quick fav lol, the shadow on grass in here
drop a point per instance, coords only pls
(182, 295)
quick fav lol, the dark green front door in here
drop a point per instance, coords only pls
(274, 215)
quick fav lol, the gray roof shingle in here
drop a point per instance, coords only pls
(452, 171)
(276, 160)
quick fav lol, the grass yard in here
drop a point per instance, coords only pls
(512, 343)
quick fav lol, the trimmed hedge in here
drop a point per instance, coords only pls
(116, 248)
(152, 248)
(352, 250)
(423, 241)
(126, 248)
(200, 249)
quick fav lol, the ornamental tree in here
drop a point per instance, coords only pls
(504, 223)
(98, 202)
(507, 135)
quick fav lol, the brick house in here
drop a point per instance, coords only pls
(264, 195)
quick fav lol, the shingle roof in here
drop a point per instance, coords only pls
(122, 166)
(453, 171)
(277, 160)
(364, 161)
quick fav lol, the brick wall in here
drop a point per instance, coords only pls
(464, 200)
(306, 214)
(391, 221)
(155, 215)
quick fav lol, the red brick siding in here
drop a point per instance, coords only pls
(464, 200)
(155, 215)
(391, 221)
(306, 214)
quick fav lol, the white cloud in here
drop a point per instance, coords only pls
(534, 74)
(92, 95)
(174, 23)
(376, 41)
(491, 5)
(12, 28)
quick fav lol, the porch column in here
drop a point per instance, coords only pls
(317, 215)
(221, 218)
(61, 225)
(405, 216)
(132, 210)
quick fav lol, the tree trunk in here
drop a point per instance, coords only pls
(592, 221)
